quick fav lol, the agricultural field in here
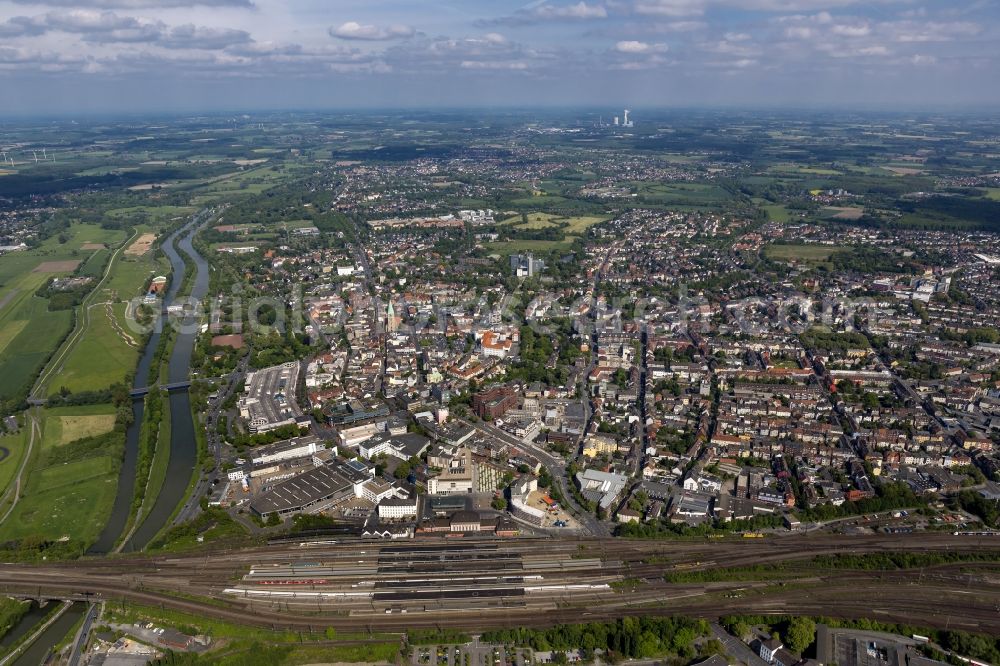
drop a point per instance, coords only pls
(797, 169)
(29, 332)
(843, 212)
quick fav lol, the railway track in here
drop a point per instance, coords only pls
(537, 582)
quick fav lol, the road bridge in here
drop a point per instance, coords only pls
(172, 386)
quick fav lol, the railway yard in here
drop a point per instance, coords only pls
(474, 584)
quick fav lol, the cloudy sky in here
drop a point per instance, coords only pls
(59, 56)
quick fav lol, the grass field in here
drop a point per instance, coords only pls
(63, 425)
(10, 331)
(17, 445)
(843, 212)
(693, 195)
(993, 193)
(241, 183)
(573, 227)
(28, 331)
(66, 500)
(28, 344)
(102, 356)
(155, 215)
(99, 359)
(799, 169)
(130, 274)
(535, 221)
(510, 247)
(161, 458)
(805, 254)
(777, 213)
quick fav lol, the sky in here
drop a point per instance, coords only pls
(104, 56)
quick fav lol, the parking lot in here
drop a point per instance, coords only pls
(469, 654)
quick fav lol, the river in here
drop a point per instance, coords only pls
(36, 652)
(183, 446)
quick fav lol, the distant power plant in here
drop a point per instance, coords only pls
(625, 122)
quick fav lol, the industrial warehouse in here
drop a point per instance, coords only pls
(269, 401)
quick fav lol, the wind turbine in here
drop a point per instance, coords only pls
(44, 156)
(35, 155)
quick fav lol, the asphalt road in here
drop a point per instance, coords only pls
(736, 648)
(557, 468)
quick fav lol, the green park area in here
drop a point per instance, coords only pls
(71, 477)
(682, 196)
(559, 232)
(813, 255)
(104, 354)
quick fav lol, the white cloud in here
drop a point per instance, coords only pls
(799, 32)
(544, 11)
(855, 30)
(196, 37)
(136, 4)
(670, 7)
(680, 26)
(580, 10)
(494, 64)
(875, 50)
(929, 31)
(640, 47)
(358, 31)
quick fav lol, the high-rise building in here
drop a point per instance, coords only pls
(525, 265)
